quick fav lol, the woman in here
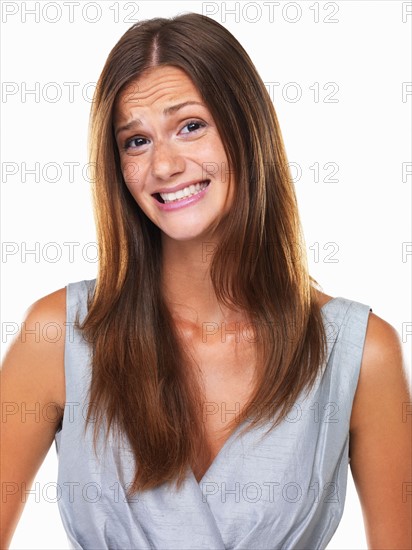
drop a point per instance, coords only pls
(203, 320)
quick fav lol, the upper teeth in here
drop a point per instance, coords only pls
(185, 192)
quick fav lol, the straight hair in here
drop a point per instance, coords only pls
(143, 384)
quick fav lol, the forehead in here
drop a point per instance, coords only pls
(155, 86)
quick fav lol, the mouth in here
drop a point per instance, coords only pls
(189, 191)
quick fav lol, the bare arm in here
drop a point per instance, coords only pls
(32, 379)
(381, 440)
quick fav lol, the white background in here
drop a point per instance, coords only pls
(355, 227)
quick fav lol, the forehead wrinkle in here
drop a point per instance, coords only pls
(156, 89)
(132, 110)
(151, 87)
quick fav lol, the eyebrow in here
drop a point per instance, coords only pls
(166, 111)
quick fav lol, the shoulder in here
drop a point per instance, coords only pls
(35, 357)
(381, 338)
(48, 316)
(380, 445)
(33, 399)
(382, 371)
(52, 305)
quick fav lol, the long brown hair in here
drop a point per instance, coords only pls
(139, 383)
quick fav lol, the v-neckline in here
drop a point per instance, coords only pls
(235, 431)
(217, 457)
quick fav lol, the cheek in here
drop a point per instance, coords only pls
(220, 156)
(131, 174)
(224, 174)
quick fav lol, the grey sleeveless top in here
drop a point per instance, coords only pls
(285, 490)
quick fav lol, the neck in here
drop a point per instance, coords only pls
(186, 281)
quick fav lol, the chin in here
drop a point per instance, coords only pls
(185, 236)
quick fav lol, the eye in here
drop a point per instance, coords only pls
(134, 143)
(194, 123)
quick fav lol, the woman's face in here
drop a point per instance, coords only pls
(169, 144)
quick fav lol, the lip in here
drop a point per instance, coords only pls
(178, 187)
(182, 203)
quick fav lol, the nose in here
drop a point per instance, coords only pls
(166, 161)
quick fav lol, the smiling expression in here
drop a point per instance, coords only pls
(168, 140)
